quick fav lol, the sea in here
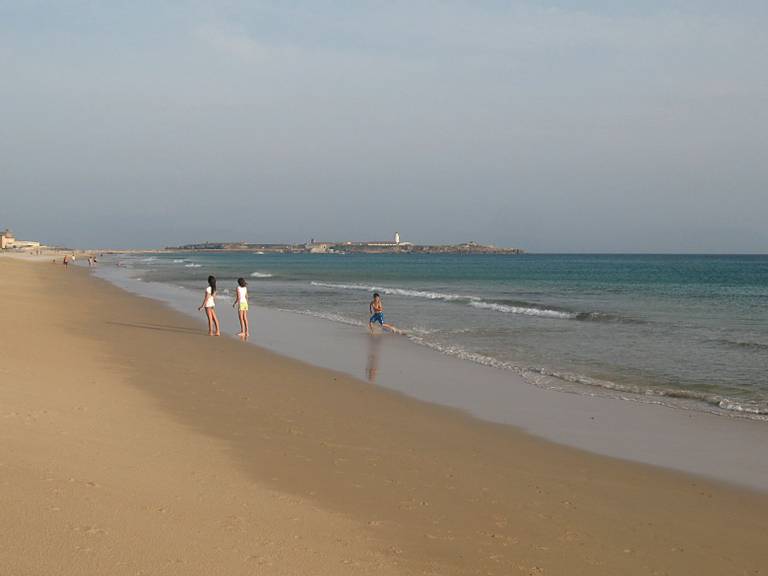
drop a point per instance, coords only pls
(690, 331)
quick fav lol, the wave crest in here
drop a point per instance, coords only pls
(580, 384)
(396, 291)
(743, 345)
(527, 310)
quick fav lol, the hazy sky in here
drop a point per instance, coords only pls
(554, 126)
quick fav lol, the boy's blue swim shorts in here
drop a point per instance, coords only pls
(378, 317)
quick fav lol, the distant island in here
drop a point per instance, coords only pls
(395, 246)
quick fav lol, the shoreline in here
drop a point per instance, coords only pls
(711, 445)
(702, 384)
(134, 442)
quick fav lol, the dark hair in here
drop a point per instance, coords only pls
(212, 284)
(376, 295)
(242, 282)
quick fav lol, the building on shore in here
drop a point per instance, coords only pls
(8, 241)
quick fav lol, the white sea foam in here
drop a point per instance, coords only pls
(461, 353)
(448, 297)
(745, 408)
(420, 330)
(261, 275)
(580, 384)
(543, 312)
(179, 261)
(415, 331)
(193, 265)
(397, 291)
(327, 316)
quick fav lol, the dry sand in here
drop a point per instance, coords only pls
(132, 443)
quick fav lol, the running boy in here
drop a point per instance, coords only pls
(376, 309)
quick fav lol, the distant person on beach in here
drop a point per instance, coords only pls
(209, 304)
(65, 261)
(376, 308)
(241, 301)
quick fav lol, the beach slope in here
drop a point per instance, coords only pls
(132, 443)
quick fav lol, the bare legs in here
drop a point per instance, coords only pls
(213, 322)
(391, 328)
(243, 315)
(385, 326)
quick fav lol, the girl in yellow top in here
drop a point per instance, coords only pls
(241, 302)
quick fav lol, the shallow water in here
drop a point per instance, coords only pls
(683, 330)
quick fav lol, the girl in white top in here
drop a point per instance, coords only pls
(209, 304)
(241, 301)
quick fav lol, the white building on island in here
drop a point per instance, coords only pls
(394, 245)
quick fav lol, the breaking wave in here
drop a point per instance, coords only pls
(543, 312)
(397, 291)
(581, 384)
(504, 307)
(261, 275)
(743, 345)
(326, 316)
(570, 382)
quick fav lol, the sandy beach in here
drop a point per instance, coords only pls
(132, 443)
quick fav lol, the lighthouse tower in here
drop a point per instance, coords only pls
(397, 237)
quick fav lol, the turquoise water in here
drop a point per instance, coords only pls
(685, 329)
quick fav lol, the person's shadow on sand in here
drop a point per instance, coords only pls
(158, 327)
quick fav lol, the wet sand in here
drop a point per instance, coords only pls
(629, 427)
(134, 443)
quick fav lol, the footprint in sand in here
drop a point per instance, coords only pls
(531, 570)
(90, 530)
